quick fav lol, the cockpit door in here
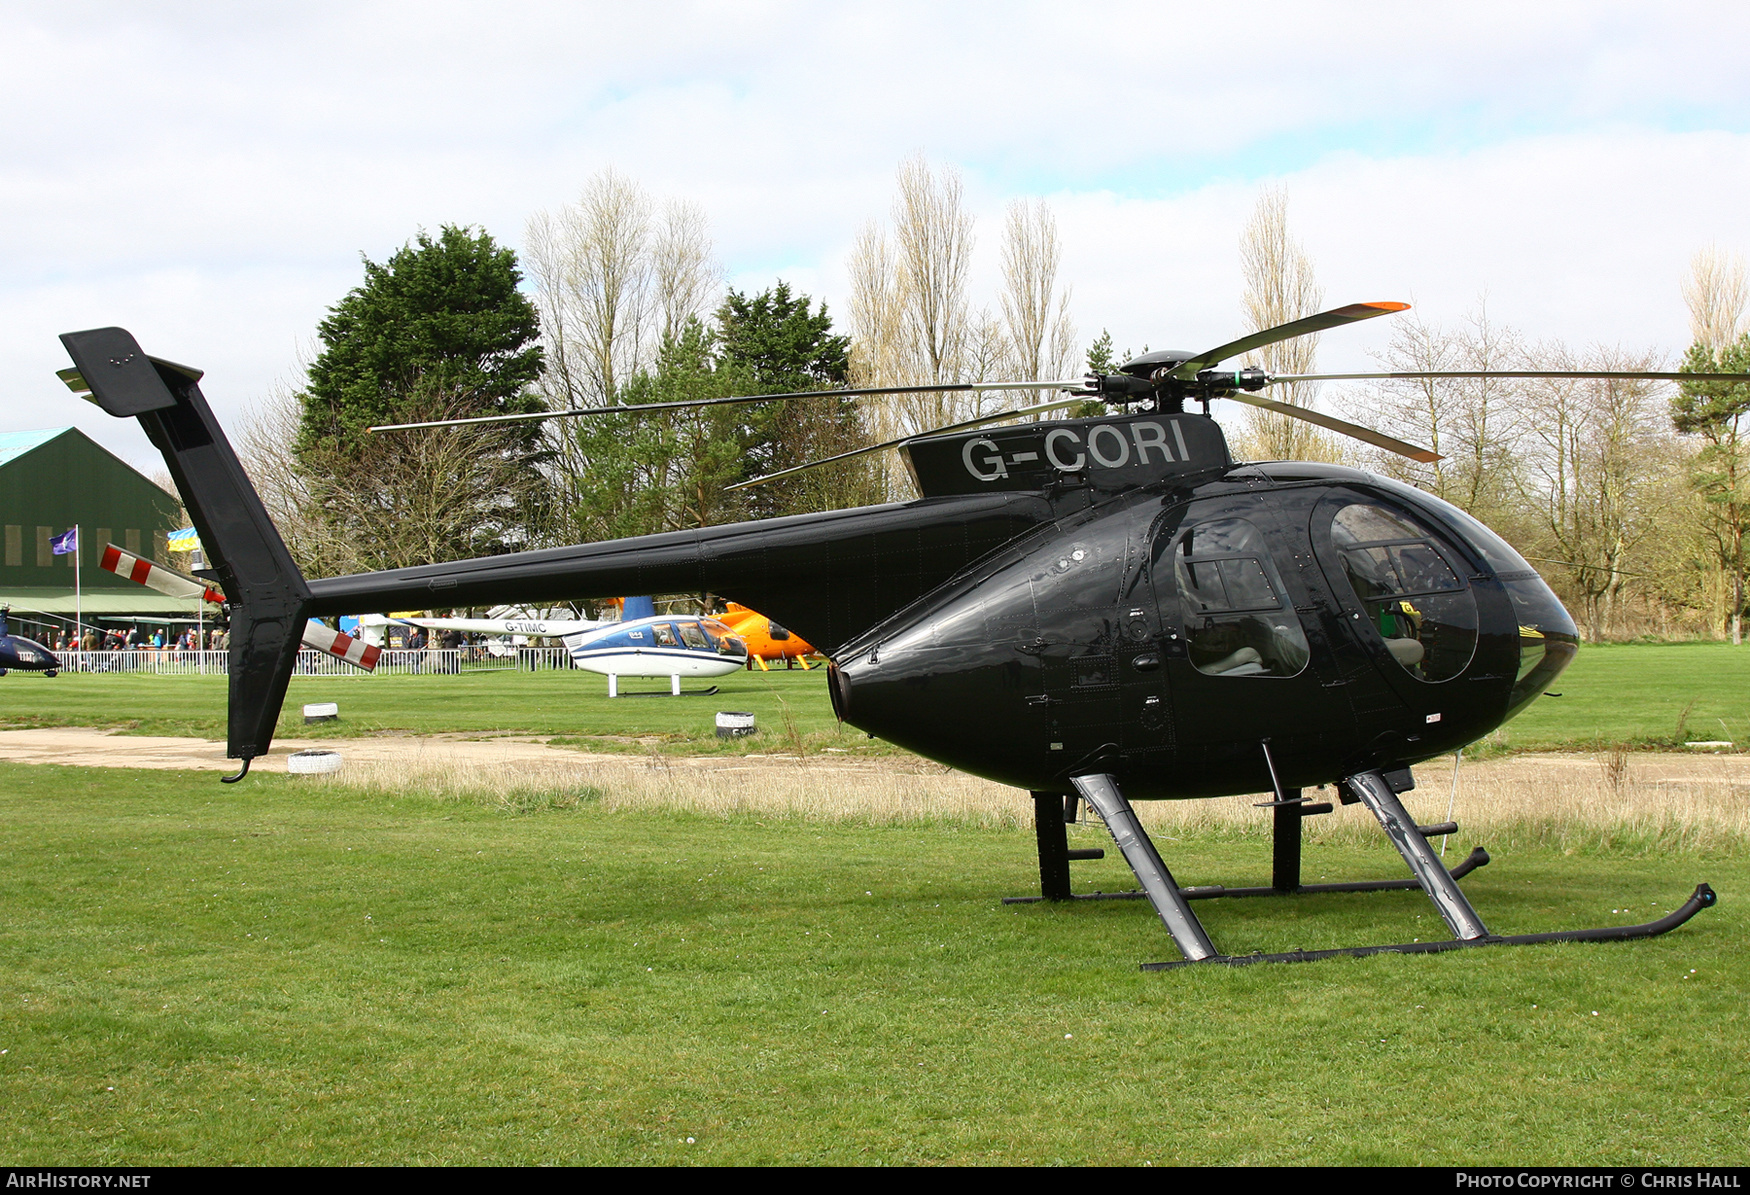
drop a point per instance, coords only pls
(1241, 660)
(1406, 605)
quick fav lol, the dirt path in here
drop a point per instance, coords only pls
(88, 747)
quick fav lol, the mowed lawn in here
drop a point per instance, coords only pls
(569, 704)
(1641, 694)
(289, 971)
(1634, 694)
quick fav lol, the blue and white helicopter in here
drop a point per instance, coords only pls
(640, 642)
(25, 655)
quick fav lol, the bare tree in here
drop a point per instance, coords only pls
(878, 342)
(591, 269)
(879, 353)
(614, 284)
(1036, 318)
(1423, 410)
(398, 499)
(1716, 293)
(908, 308)
(988, 356)
(264, 445)
(1603, 453)
(683, 266)
(1476, 424)
(934, 236)
(1280, 287)
(912, 321)
(1491, 417)
(546, 262)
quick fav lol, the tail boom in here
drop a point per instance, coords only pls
(829, 577)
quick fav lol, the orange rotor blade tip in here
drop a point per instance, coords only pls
(1388, 306)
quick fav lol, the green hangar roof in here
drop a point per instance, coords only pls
(57, 478)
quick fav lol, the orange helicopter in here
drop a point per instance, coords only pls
(765, 639)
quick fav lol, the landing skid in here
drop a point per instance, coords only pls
(673, 693)
(1372, 789)
(1703, 897)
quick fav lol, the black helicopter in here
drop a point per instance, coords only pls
(23, 655)
(1105, 608)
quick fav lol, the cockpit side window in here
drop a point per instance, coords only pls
(665, 636)
(1412, 594)
(726, 641)
(692, 636)
(1238, 621)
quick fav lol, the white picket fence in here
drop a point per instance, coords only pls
(450, 661)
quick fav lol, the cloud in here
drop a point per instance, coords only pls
(208, 174)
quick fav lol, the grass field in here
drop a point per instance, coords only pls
(1644, 695)
(1635, 694)
(593, 964)
(789, 707)
(306, 972)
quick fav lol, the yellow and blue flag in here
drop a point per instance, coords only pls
(183, 541)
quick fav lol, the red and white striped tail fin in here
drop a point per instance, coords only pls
(341, 646)
(155, 576)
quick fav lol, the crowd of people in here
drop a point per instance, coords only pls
(413, 649)
(137, 639)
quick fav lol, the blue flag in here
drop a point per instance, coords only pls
(67, 541)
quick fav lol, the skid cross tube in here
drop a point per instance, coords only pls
(1477, 858)
(1287, 812)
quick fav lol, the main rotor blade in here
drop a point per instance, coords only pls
(1625, 374)
(1187, 371)
(634, 408)
(1365, 434)
(952, 427)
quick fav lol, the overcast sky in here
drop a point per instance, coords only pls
(207, 175)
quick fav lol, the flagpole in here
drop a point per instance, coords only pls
(78, 599)
(200, 615)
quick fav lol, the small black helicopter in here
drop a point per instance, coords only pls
(23, 655)
(1106, 608)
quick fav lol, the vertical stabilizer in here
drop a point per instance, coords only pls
(268, 596)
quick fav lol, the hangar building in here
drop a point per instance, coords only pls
(53, 479)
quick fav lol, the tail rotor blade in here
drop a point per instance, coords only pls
(343, 647)
(156, 576)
